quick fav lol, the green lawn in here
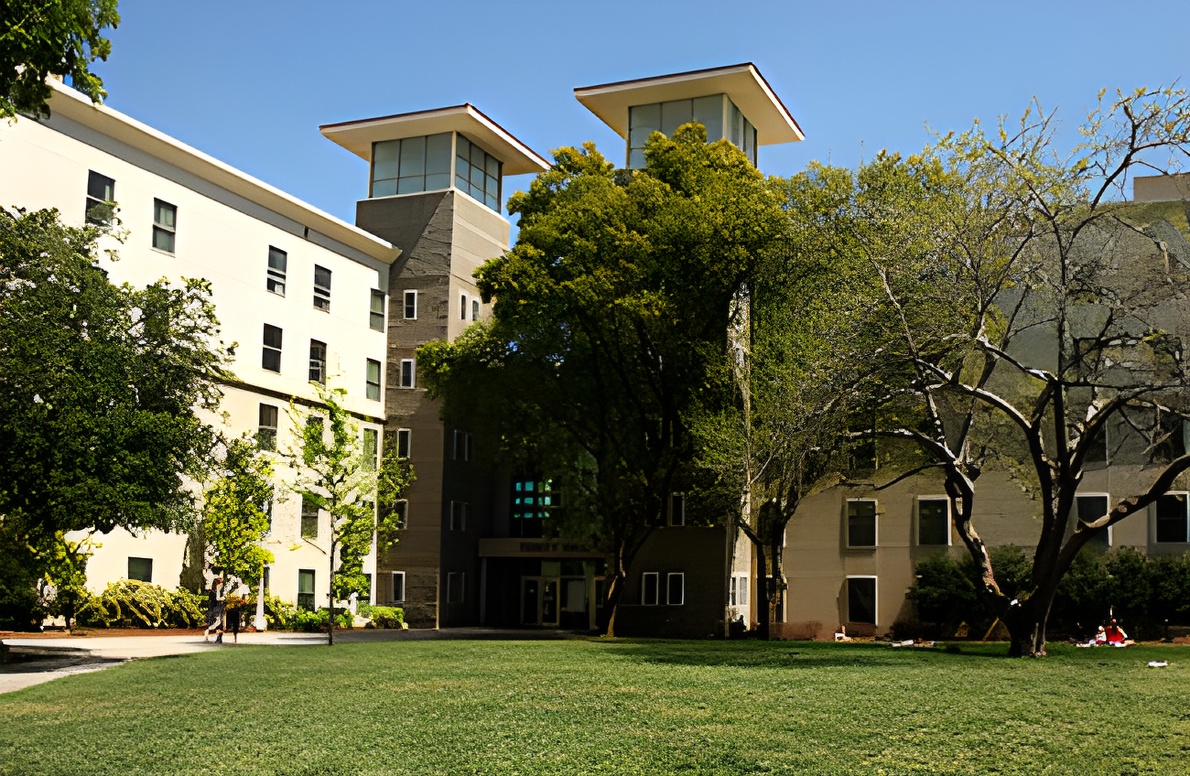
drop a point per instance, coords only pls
(573, 707)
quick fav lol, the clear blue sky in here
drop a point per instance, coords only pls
(250, 81)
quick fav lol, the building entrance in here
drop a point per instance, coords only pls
(539, 601)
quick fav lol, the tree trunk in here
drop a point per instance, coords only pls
(330, 623)
(1026, 623)
(607, 619)
(762, 594)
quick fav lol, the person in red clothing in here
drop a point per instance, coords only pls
(1116, 635)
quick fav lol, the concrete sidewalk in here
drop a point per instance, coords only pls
(43, 659)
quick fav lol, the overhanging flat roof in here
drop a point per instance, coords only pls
(742, 83)
(72, 105)
(358, 136)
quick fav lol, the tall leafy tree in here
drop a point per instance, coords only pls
(608, 314)
(1030, 321)
(234, 520)
(40, 39)
(338, 473)
(99, 385)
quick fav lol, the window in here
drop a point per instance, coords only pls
(376, 311)
(477, 173)
(165, 225)
(372, 386)
(454, 587)
(309, 518)
(411, 165)
(274, 279)
(459, 512)
(461, 446)
(270, 357)
(675, 588)
(306, 589)
(1169, 439)
(463, 307)
(318, 362)
(398, 588)
(404, 437)
(1090, 507)
(475, 309)
(101, 198)
(322, 289)
(861, 599)
(1171, 523)
(407, 373)
(861, 523)
(140, 568)
(666, 117)
(533, 499)
(372, 448)
(738, 594)
(677, 509)
(266, 432)
(411, 305)
(933, 521)
(401, 510)
(649, 583)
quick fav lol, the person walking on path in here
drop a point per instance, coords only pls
(216, 608)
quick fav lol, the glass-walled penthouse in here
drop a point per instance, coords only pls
(415, 164)
(715, 112)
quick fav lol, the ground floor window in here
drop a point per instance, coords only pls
(454, 587)
(141, 569)
(861, 599)
(649, 584)
(305, 598)
(398, 589)
(1171, 521)
(739, 590)
(675, 588)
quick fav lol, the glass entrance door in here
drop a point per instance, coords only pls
(539, 601)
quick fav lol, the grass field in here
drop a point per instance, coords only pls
(624, 707)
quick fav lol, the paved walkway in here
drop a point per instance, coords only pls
(41, 659)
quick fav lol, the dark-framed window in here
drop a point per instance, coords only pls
(101, 199)
(274, 279)
(305, 598)
(322, 289)
(376, 310)
(317, 362)
(650, 585)
(933, 521)
(165, 225)
(1170, 519)
(270, 355)
(861, 523)
(309, 518)
(140, 568)
(861, 600)
(372, 380)
(266, 431)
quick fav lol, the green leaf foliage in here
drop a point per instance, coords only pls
(41, 39)
(233, 517)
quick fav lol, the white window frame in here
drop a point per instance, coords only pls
(161, 228)
(1106, 497)
(847, 523)
(376, 296)
(322, 293)
(460, 513)
(1185, 497)
(397, 575)
(644, 588)
(405, 440)
(669, 579)
(740, 586)
(875, 597)
(274, 279)
(410, 301)
(677, 509)
(917, 520)
(267, 432)
(408, 373)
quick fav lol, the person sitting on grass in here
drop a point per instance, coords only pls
(1116, 636)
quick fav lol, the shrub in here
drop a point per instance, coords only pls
(130, 603)
(384, 616)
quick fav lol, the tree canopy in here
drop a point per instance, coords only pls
(41, 39)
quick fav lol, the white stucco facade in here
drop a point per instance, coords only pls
(224, 225)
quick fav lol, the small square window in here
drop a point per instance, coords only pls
(675, 588)
(270, 356)
(397, 595)
(274, 279)
(266, 432)
(404, 439)
(649, 592)
(411, 305)
(372, 388)
(318, 362)
(408, 373)
(861, 523)
(141, 569)
(101, 199)
(322, 289)
(933, 521)
(165, 225)
(309, 518)
(376, 311)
